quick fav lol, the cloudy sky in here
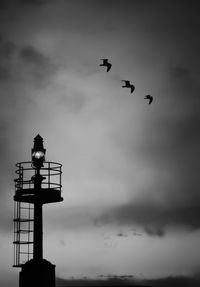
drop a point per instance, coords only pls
(131, 186)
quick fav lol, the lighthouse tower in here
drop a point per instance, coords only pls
(38, 182)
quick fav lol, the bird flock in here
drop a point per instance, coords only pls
(127, 84)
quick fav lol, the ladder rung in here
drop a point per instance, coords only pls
(22, 242)
(31, 208)
(23, 231)
(25, 252)
(18, 265)
(22, 220)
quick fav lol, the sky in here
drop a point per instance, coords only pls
(130, 170)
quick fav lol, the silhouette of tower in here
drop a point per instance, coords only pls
(38, 182)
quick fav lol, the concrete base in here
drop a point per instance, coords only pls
(36, 273)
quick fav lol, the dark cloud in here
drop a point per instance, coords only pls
(24, 63)
(5, 4)
(78, 218)
(129, 280)
(186, 81)
(38, 65)
(33, 2)
(174, 281)
(120, 234)
(7, 51)
(137, 234)
(103, 281)
(180, 73)
(31, 56)
(154, 219)
(119, 6)
(4, 74)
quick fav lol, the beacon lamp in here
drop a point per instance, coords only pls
(38, 152)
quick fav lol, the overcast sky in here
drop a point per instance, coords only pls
(131, 183)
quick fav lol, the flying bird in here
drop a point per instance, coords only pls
(150, 98)
(106, 64)
(127, 84)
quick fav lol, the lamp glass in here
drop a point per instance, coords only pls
(38, 154)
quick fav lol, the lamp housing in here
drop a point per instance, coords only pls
(38, 152)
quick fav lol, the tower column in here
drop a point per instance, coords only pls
(38, 233)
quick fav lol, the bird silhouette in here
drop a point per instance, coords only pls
(127, 84)
(106, 64)
(150, 98)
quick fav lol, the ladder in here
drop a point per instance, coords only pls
(23, 233)
(23, 227)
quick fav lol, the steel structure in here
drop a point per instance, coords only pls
(38, 182)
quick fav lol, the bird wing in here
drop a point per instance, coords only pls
(150, 100)
(127, 83)
(132, 88)
(108, 67)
